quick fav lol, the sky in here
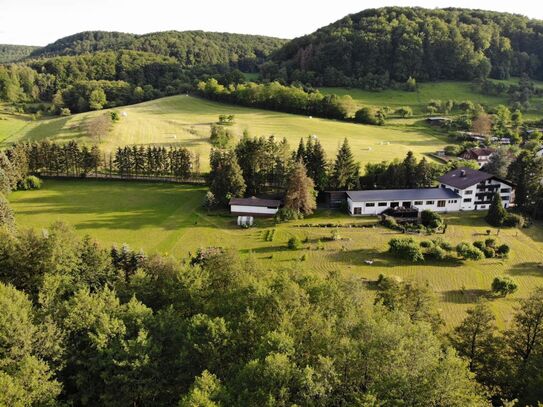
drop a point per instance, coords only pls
(40, 22)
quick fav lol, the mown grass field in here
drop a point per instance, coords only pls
(446, 90)
(167, 218)
(185, 120)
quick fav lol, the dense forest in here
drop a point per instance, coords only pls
(13, 53)
(375, 47)
(93, 70)
(189, 48)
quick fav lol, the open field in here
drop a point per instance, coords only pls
(167, 218)
(185, 120)
(454, 90)
(10, 125)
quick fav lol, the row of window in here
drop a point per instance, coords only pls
(504, 198)
(440, 204)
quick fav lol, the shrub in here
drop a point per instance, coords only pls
(404, 111)
(406, 248)
(503, 250)
(426, 244)
(335, 235)
(489, 252)
(437, 253)
(390, 222)
(469, 252)
(294, 243)
(479, 244)
(443, 244)
(490, 242)
(370, 115)
(29, 183)
(286, 214)
(431, 219)
(514, 221)
(65, 112)
(503, 286)
(497, 214)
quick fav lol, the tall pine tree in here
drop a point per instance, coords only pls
(345, 174)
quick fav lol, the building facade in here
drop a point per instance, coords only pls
(477, 188)
(254, 206)
(375, 202)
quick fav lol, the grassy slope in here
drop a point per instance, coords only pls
(167, 219)
(457, 91)
(185, 120)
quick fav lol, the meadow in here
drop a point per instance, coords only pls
(168, 219)
(445, 90)
(185, 121)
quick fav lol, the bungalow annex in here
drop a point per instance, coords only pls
(476, 188)
(374, 202)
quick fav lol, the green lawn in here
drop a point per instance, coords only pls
(167, 218)
(457, 91)
(185, 120)
(11, 125)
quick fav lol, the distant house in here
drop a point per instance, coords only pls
(375, 202)
(476, 188)
(437, 120)
(481, 155)
(254, 206)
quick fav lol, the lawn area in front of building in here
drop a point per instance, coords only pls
(168, 219)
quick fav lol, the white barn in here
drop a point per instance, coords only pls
(477, 188)
(374, 202)
(254, 206)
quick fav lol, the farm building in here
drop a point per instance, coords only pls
(377, 201)
(481, 155)
(254, 206)
(476, 188)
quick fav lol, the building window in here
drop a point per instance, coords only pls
(506, 190)
(456, 190)
(418, 203)
(505, 197)
(483, 206)
(469, 192)
(358, 211)
(394, 204)
(370, 204)
(441, 204)
(467, 200)
(382, 204)
(429, 202)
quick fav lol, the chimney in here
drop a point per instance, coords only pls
(463, 173)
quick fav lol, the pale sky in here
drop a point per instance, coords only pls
(39, 22)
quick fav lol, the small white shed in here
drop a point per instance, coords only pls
(254, 206)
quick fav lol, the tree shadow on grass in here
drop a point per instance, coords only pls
(527, 269)
(465, 296)
(115, 205)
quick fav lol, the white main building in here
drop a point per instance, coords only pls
(463, 189)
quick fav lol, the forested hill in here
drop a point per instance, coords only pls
(190, 48)
(12, 53)
(370, 48)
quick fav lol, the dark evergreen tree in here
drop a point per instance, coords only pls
(497, 214)
(345, 172)
(225, 178)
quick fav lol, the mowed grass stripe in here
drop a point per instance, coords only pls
(168, 218)
(185, 121)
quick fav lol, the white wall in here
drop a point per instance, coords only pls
(450, 206)
(471, 193)
(262, 210)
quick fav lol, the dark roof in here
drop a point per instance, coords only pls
(477, 152)
(402, 194)
(254, 201)
(463, 178)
